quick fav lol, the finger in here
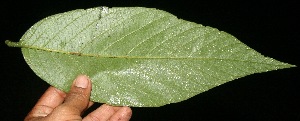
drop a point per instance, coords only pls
(103, 113)
(77, 100)
(49, 100)
(106, 112)
(122, 114)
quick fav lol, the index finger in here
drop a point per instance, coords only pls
(49, 100)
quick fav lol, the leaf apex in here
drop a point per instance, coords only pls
(291, 66)
(12, 44)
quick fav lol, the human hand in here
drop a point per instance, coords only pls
(55, 105)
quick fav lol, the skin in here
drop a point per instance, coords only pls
(56, 105)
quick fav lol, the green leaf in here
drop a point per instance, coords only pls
(135, 56)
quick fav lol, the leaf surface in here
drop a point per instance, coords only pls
(141, 57)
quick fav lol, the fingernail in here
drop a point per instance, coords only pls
(81, 82)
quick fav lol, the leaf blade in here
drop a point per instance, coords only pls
(137, 56)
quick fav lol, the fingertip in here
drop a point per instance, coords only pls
(82, 81)
(126, 113)
(82, 84)
(79, 95)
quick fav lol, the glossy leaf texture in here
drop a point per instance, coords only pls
(140, 57)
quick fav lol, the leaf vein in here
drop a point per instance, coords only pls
(64, 28)
(110, 45)
(144, 40)
(175, 25)
(107, 30)
(38, 26)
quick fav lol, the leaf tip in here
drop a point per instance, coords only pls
(291, 66)
(12, 44)
(287, 65)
